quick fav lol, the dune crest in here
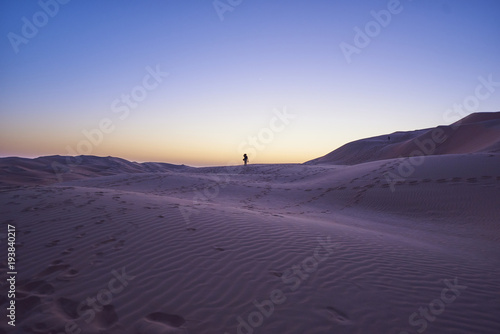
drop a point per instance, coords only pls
(476, 133)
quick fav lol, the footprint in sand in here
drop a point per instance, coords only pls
(276, 273)
(69, 202)
(192, 229)
(30, 208)
(68, 275)
(160, 323)
(107, 317)
(52, 243)
(338, 316)
(166, 319)
(39, 287)
(220, 249)
(96, 262)
(110, 239)
(67, 251)
(25, 304)
(68, 306)
(54, 267)
(119, 245)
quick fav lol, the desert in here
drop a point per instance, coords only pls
(372, 237)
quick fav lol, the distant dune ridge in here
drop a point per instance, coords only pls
(56, 168)
(478, 132)
(108, 246)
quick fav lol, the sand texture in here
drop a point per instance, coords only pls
(384, 245)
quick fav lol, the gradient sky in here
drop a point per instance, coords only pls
(230, 71)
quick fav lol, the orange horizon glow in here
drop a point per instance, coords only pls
(162, 86)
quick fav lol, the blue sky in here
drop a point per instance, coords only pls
(225, 76)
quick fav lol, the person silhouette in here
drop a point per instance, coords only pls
(245, 159)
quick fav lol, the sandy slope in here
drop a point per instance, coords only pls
(16, 171)
(478, 132)
(263, 249)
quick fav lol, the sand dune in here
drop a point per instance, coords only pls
(479, 132)
(52, 169)
(388, 246)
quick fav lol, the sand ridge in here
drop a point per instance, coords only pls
(478, 132)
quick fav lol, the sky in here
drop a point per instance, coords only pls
(202, 82)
